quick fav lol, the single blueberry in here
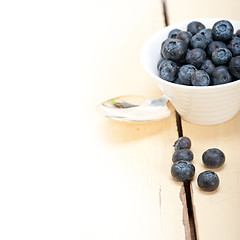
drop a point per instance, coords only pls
(234, 67)
(196, 57)
(213, 158)
(213, 46)
(173, 33)
(183, 170)
(222, 31)
(221, 75)
(207, 33)
(198, 41)
(185, 73)
(182, 143)
(174, 49)
(238, 33)
(182, 154)
(221, 56)
(194, 27)
(208, 181)
(234, 46)
(167, 70)
(177, 81)
(185, 36)
(200, 78)
(208, 66)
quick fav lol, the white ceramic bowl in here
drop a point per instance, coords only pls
(200, 105)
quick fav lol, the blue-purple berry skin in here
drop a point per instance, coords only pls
(213, 46)
(234, 46)
(208, 66)
(222, 31)
(173, 33)
(238, 33)
(167, 70)
(185, 36)
(196, 57)
(221, 75)
(182, 154)
(234, 67)
(182, 143)
(198, 41)
(213, 158)
(200, 78)
(185, 73)
(207, 33)
(174, 49)
(194, 27)
(183, 171)
(221, 56)
(208, 181)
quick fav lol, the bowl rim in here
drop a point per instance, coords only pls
(170, 84)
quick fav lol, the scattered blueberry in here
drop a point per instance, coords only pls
(234, 46)
(207, 33)
(194, 27)
(208, 66)
(173, 33)
(221, 56)
(221, 75)
(213, 158)
(208, 181)
(200, 78)
(185, 73)
(167, 70)
(198, 41)
(222, 31)
(183, 171)
(234, 67)
(174, 49)
(196, 57)
(185, 36)
(213, 46)
(182, 154)
(182, 143)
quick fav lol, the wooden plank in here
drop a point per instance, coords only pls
(130, 192)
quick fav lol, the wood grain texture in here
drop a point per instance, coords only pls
(129, 192)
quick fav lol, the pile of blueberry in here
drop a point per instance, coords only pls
(200, 56)
(183, 170)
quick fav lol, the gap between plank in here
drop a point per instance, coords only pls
(187, 184)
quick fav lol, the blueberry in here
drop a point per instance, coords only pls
(198, 41)
(234, 67)
(177, 81)
(182, 154)
(183, 170)
(213, 158)
(173, 33)
(207, 33)
(182, 143)
(221, 56)
(213, 46)
(208, 66)
(200, 78)
(196, 57)
(238, 33)
(174, 49)
(221, 75)
(208, 181)
(194, 27)
(222, 31)
(185, 73)
(167, 70)
(185, 36)
(234, 46)
(159, 62)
